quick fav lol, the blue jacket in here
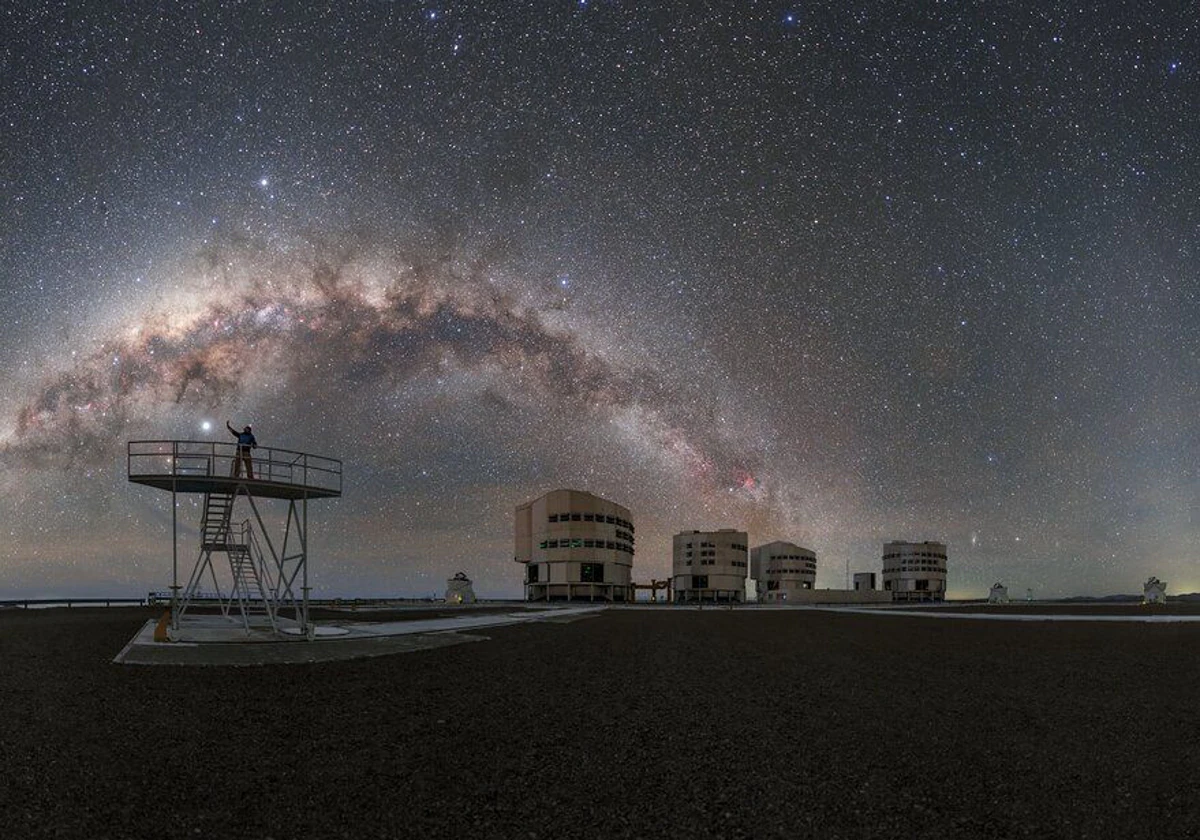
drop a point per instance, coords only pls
(245, 439)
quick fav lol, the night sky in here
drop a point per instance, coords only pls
(833, 273)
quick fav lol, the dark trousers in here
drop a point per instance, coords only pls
(243, 457)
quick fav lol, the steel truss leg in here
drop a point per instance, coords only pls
(281, 578)
(280, 575)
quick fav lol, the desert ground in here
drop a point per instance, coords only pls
(634, 723)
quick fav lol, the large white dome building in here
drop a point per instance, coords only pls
(575, 546)
(710, 566)
(915, 571)
(781, 570)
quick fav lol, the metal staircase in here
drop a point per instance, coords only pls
(214, 524)
(251, 589)
(251, 585)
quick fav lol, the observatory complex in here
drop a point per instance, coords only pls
(575, 546)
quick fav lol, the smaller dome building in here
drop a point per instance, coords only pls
(459, 591)
(1154, 591)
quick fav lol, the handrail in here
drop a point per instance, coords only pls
(25, 603)
(194, 458)
(249, 538)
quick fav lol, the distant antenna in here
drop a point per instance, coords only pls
(847, 573)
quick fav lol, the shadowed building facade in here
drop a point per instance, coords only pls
(575, 546)
(864, 581)
(781, 570)
(710, 566)
(915, 571)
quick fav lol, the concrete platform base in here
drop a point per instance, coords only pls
(215, 640)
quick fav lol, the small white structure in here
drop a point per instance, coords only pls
(1154, 591)
(459, 591)
(864, 581)
(998, 594)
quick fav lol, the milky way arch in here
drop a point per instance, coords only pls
(306, 324)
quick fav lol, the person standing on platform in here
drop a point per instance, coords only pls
(245, 443)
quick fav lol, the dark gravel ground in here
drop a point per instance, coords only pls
(1118, 609)
(688, 724)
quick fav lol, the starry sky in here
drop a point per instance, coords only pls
(833, 273)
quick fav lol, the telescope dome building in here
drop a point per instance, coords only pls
(575, 547)
(710, 566)
(915, 571)
(781, 570)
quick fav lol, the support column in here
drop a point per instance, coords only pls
(174, 547)
(305, 626)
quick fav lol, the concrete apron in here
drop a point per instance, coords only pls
(215, 640)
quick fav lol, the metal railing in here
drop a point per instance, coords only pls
(197, 459)
(30, 603)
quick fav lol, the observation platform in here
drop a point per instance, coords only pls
(190, 466)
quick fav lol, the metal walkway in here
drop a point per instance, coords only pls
(189, 466)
